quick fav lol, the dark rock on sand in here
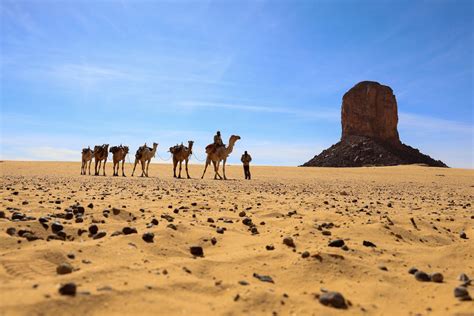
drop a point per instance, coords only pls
(263, 278)
(289, 242)
(336, 243)
(422, 276)
(64, 268)
(148, 237)
(437, 277)
(197, 251)
(68, 289)
(333, 299)
(368, 243)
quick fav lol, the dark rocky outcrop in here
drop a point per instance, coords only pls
(369, 118)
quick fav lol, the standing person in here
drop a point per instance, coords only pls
(246, 159)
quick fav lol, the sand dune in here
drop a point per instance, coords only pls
(235, 222)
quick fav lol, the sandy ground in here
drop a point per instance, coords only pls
(125, 275)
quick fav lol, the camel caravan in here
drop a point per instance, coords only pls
(216, 153)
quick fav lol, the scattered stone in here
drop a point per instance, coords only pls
(99, 235)
(289, 242)
(305, 254)
(11, 231)
(437, 277)
(463, 235)
(422, 276)
(56, 227)
(368, 243)
(412, 270)
(148, 237)
(333, 299)
(462, 294)
(64, 268)
(129, 230)
(243, 282)
(383, 268)
(463, 277)
(93, 229)
(247, 221)
(270, 247)
(68, 289)
(336, 243)
(242, 214)
(197, 251)
(263, 278)
(172, 226)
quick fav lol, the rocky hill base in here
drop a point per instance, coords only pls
(359, 151)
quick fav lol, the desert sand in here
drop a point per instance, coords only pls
(123, 274)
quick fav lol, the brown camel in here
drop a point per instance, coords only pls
(118, 154)
(218, 154)
(87, 154)
(144, 155)
(181, 153)
(100, 153)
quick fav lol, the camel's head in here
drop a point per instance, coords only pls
(234, 138)
(113, 149)
(190, 143)
(125, 149)
(106, 146)
(155, 145)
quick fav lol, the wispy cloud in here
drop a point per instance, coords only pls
(317, 113)
(427, 123)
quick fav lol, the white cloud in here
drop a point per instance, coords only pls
(423, 122)
(317, 113)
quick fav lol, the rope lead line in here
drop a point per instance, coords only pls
(200, 160)
(171, 156)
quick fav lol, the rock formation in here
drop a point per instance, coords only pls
(369, 118)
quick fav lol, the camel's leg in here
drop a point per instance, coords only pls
(98, 168)
(123, 168)
(105, 161)
(82, 167)
(187, 172)
(136, 162)
(217, 164)
(223, 168)
(208, 162)
(147, 166)
(216, 169)
(175, 164)
(143, 167)
(90, 161)
(95, 166)
(180, 166)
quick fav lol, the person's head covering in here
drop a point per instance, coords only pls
(218, 132)
(246, 152)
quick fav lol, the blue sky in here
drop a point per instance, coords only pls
(79, 73)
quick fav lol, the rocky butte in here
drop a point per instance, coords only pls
(369, 118)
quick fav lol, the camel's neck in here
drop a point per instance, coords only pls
(230, 147)
(154, 150)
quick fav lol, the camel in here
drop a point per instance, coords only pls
(87, 154)
(216, 155)
(118, 154)
(100, 153)
(144, 155)
(181, 153)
